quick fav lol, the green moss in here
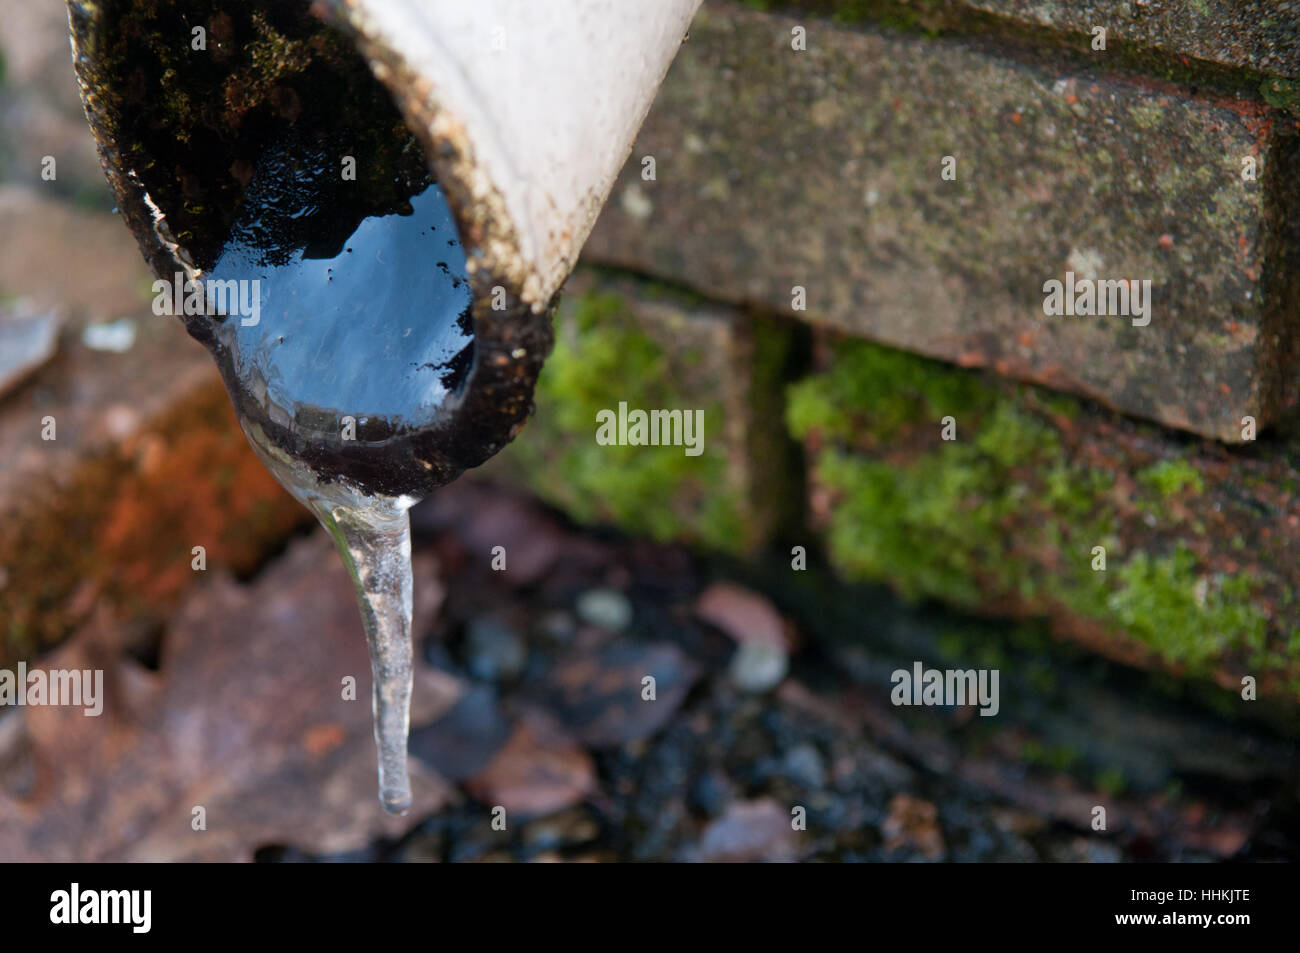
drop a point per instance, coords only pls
(933, 527)
(1170, 477)
(887, 386)
(915, 16)
(1111, 781)
(1004, 510)
(1183, 615)
(1055, 758)
(1147, 117)
(1281, 94)
(600, 359)
(883, 529)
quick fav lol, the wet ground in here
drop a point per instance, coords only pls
(771, 734)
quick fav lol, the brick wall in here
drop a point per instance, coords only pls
(809, 184)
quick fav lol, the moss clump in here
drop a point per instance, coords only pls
(1111, 781)
(1006, 513)
(1185, 616)
(1281, 94)
(1170, 477)
(883, 387)
(941, 525)
(934, 526)
(1058, 758)
(1147, 116)
(602, 358)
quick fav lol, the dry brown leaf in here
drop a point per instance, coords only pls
(244, 718)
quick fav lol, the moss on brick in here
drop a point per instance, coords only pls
(601, 358)
(1007, 515)
(1169, 478)
(1281, 94)
(1186, 616)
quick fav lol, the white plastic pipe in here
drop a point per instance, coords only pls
(528, 107)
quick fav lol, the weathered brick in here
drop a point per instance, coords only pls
(821, 168)
(623, 340)
(147, 460)
(1201, 541)
(1245, 38)
(1261, 35)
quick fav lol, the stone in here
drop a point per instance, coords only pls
(1253, 34)
(805, 765)
(539, 771)
(494, 651)
(1165, 38)
(757, 667)
(607, 609)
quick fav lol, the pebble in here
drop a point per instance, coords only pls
(709, 794)
(117, 337)
(494, 652)
(804, 765)
(607, 608)
(756, 667)
(556, 625)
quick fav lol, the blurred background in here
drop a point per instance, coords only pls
(800, 268)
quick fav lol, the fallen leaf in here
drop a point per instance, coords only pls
(245, 718)
(749, 831)
(913, 824)
(539, 771)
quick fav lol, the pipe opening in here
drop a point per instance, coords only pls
(252, 149)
